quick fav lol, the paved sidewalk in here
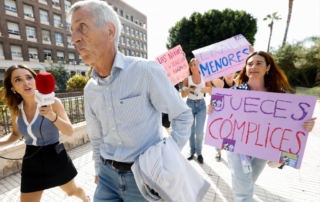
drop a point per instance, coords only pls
(273, 185)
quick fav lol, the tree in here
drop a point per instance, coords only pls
(288, 22)
(60, 73)
(309, 56)
(272, 17)
(300, 61)
(213, 26)
(77, 82)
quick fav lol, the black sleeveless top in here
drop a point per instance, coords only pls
(225, 85)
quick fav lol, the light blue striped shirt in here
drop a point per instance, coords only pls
(123, 111)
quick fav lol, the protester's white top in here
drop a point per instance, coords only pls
(196, 94)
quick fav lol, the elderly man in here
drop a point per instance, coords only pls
(124, 100)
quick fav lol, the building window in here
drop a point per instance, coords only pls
(68, 25)
(141, 35)
(44, 16)
(33, 53)
(127, 30)
(137, 44)
(122, 40)
(13, 28)
(16, 51)
(31, 32)
(121, 13)
(132, 42)
(58, 38)
(27, 10)
(128, 42)
(47, 54)
(57, 21)
(67, 5)
(131, 18)
(127, 17)
(132, 53)
(10, 6)
(1, 51)
(132, 32)
(56, 3)
(128, 52)
(137, 33)
(115, 9)
(122, 28)
(144, 37)
(60, 56)
(45, 35)
(141, 45)
(71, 57)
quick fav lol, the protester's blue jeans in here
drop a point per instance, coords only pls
(116, 186)
(243, 184)
(199, 114)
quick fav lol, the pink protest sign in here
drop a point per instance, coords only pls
(175, 63)
(222, 58)
(260, 124)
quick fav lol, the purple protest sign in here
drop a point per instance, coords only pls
(222, 58)
(263, 125)
(175, 63)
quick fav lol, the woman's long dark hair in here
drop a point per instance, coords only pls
(13, 99)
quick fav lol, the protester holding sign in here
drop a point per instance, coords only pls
(260, 73)
(192, 86)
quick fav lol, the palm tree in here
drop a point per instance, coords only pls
(288, 22)
(272, 17)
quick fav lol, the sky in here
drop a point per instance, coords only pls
(162, 15)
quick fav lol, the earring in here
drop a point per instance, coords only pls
(267, 72)
(13, 91)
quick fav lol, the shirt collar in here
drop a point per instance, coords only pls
(118, 63)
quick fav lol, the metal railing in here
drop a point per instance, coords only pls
(74, 107)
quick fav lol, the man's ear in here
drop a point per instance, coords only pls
(111, 31)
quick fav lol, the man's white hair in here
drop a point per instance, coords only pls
(102, 14)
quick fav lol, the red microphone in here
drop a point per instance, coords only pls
(45, 84)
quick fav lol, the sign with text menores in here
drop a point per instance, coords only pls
(222, 58)
(175, 63)
(260, 124)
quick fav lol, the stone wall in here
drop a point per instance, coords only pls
(17, 150)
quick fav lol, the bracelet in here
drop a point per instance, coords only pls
(55, 119)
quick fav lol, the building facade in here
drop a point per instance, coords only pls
(35, 32)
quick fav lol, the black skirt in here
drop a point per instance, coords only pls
(46, 169)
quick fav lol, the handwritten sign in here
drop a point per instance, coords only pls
(260, 124)
(175, 63)
(222, 58)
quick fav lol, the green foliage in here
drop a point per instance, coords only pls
(213, 26)
(272, 17)
(60, 73)
(300, 61)
(2, 96)
(77, 82)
